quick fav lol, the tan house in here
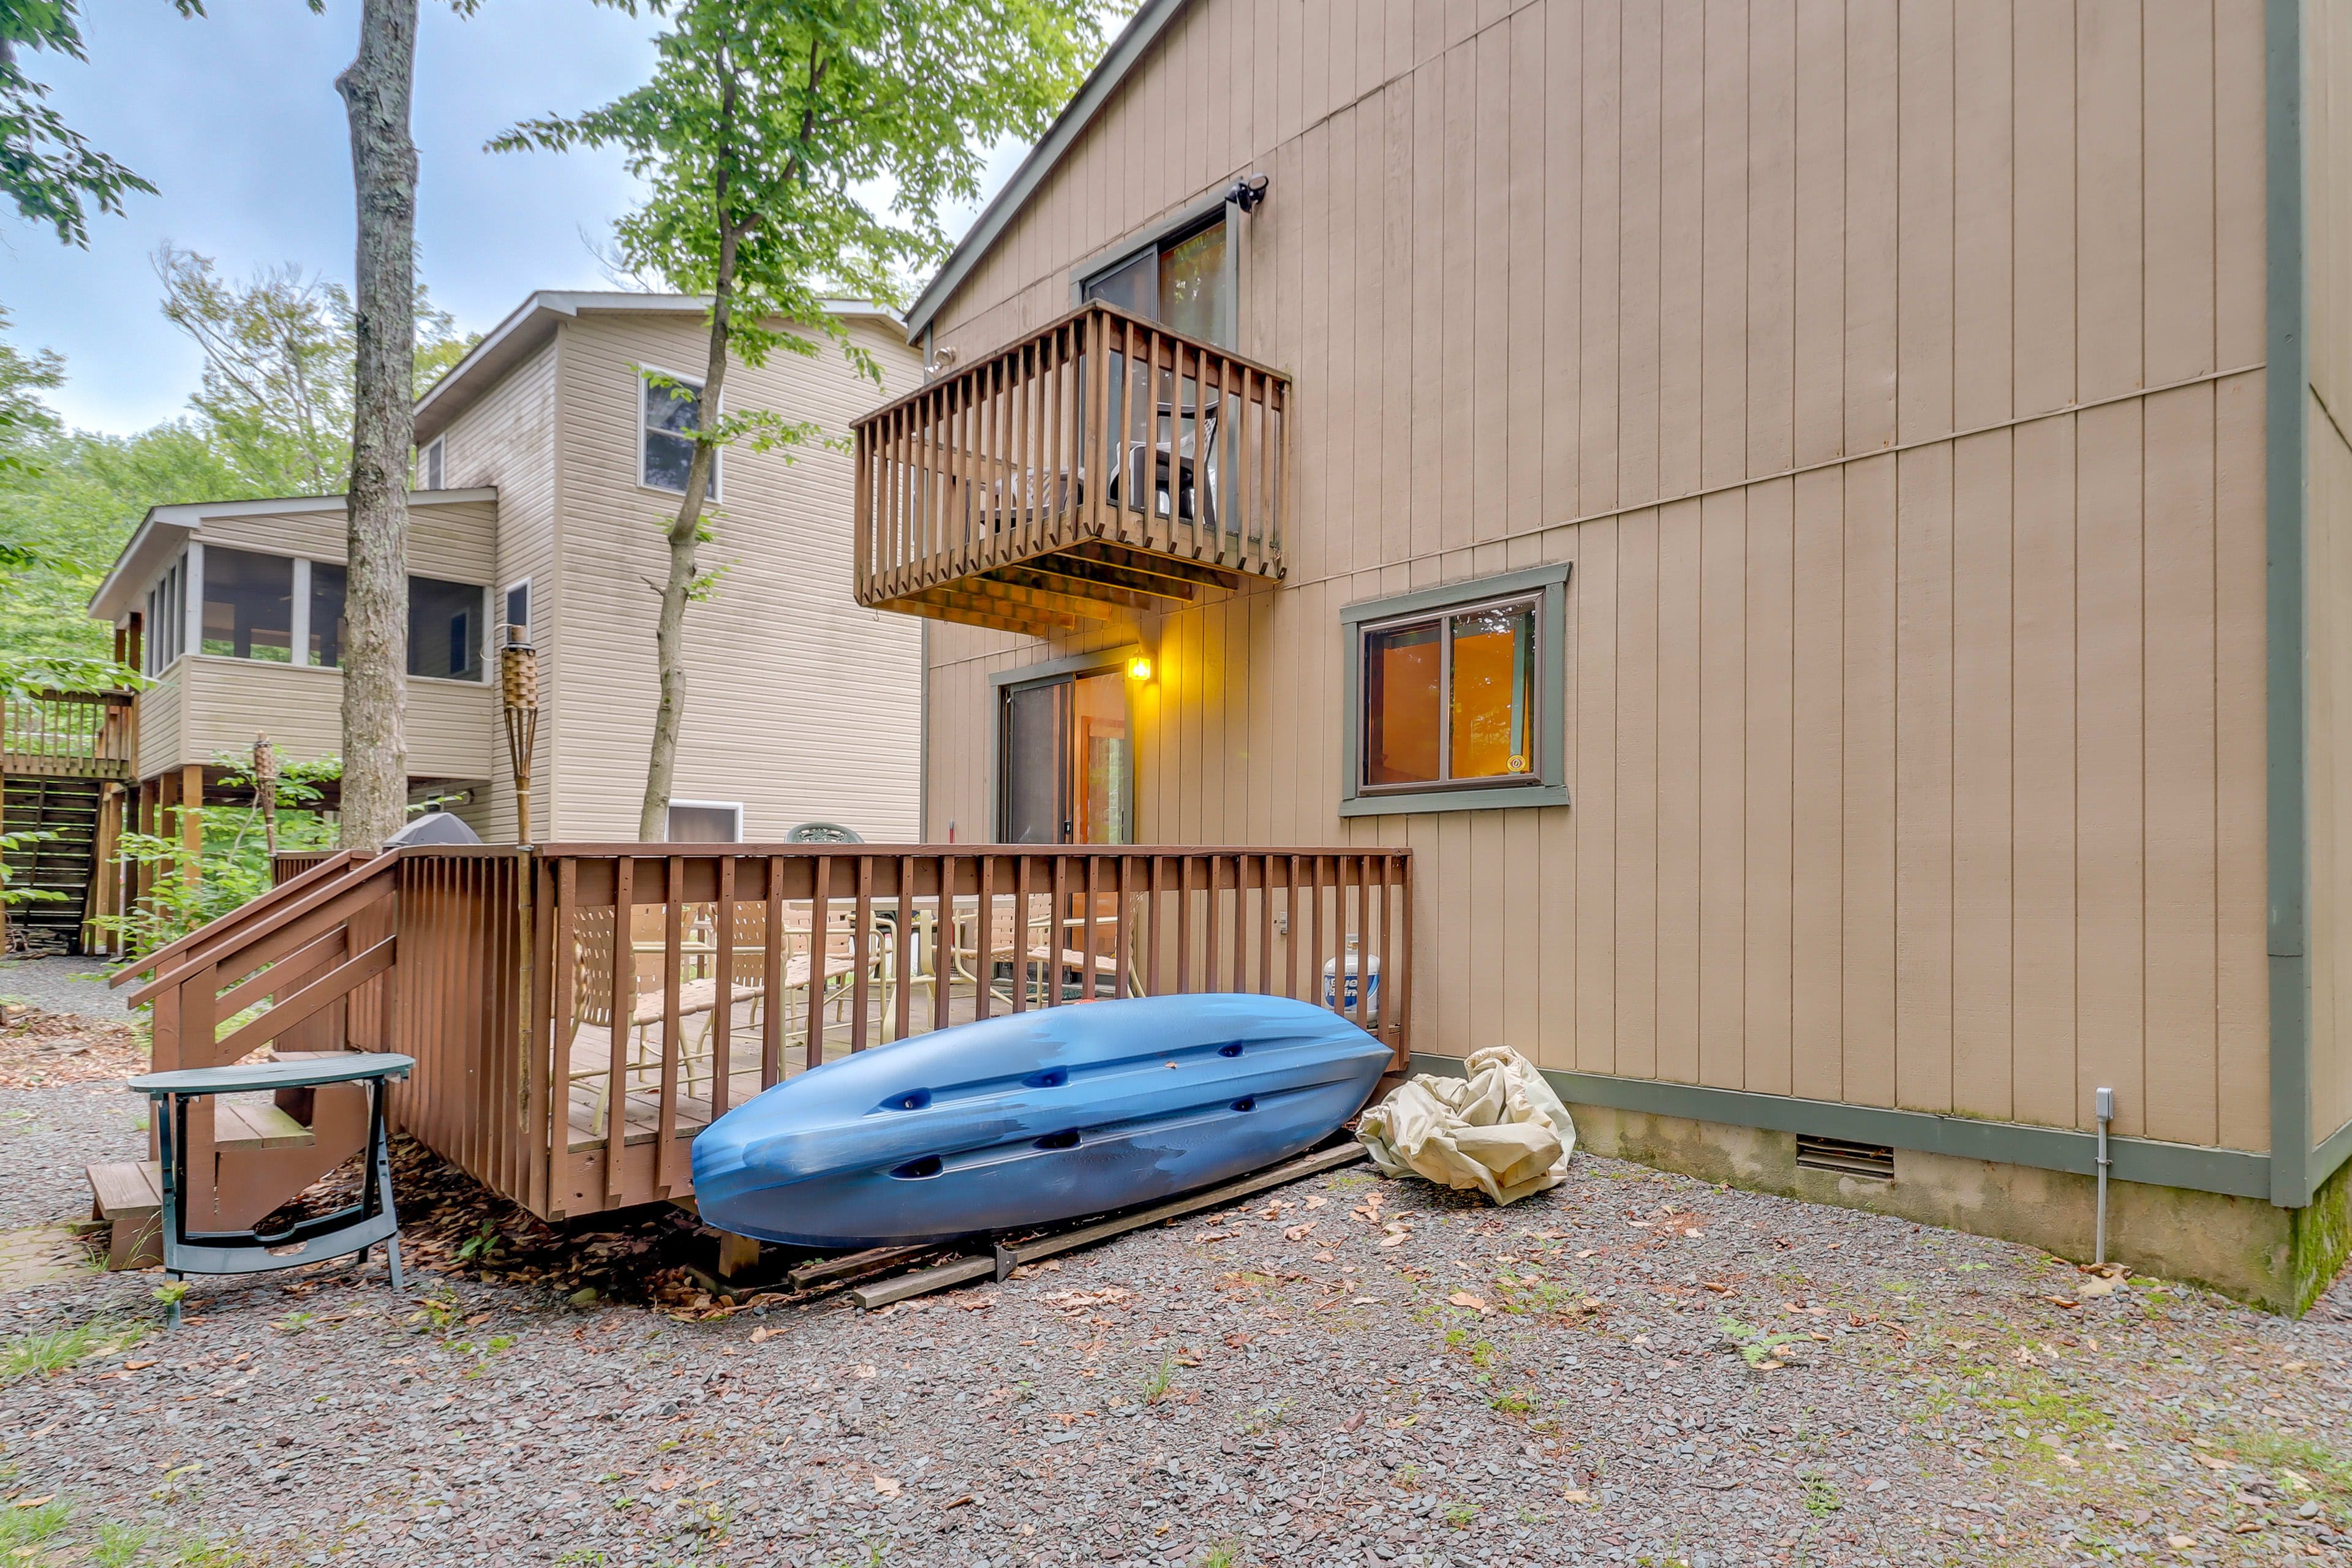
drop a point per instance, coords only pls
(547, 466)
(1827, 529)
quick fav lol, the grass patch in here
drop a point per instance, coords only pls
(2323, 1467)
(56, 1350)
(28, 1527)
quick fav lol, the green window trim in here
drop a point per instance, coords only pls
(1549, 783)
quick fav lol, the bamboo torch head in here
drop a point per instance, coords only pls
(518, 695)
(518, 672)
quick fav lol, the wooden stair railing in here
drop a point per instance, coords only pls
(318, 950)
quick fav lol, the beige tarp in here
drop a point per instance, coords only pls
(1500, 1129)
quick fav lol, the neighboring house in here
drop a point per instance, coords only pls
(1770, 503)
(548, 469)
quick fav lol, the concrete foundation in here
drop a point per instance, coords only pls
(2280, 1259)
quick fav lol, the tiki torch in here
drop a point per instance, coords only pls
(264, 789)
(519, 697)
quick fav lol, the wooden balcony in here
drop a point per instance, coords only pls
(67, 734)
(1030, 492)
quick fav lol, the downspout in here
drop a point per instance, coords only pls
(2286, 377)
(2106, 1101)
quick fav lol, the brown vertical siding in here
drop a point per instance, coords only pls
(1887, 376)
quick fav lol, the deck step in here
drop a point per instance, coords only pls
(241, 1124)
(128, 1195)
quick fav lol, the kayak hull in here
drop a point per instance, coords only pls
(1032, 1117)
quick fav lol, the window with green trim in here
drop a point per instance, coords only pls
(1456, 697)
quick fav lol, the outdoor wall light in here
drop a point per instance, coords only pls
(1248, 192)
(1140, 668)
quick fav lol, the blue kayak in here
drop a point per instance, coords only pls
(1030, 1118)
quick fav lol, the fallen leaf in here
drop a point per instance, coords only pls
(2181, 1543)
(887, 1485)
(1236, 1341)
(1771, 1365)
(36, 1502)
(1365, 1301)
(2210, 1462)
(865, 1372)
(759, 1335)
(1575, 1494)
(1463, 1298)
(1588, 1252)
(137, 1365)
(2062, 1301)
(1317, 1202)
(2092, 1288)
(977, 1304)
(478, 1320)
(1299, 1232)
(1217, 1235)
(1394, 1237)
(956, 1502)
(2069, 1461)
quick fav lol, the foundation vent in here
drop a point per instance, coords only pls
(1873, 1159)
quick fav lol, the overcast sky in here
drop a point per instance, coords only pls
(235, 117)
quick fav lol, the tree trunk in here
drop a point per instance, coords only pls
(670, 630)
(375, 89)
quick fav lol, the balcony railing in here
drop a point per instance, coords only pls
(79, 734)
(1032, 492)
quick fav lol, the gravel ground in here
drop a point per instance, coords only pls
(48, 1135)
(63, 985)
(1345, 1372)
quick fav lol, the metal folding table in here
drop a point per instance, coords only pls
(355, 1227)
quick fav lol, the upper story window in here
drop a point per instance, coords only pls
(670, 412)
(444, 629)
(163, 631)
(1180, 282)
(248, 605)
(325, 635)
(1456, 697)
(432, 466)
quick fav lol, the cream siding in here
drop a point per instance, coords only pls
(506, 441)
(1894, 392)
(224, 701)
(800, 704)
(212, 706)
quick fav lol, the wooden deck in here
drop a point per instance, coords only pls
(494, 968)
(592, 1055)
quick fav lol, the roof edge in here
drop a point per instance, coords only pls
(188, 517)
(1142, 30)
(520, 333)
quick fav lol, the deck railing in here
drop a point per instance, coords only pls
(579, 1012)
(1175, 451)
(86, 734)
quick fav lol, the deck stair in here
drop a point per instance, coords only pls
(129, 1196)
(64, 863)
(310, 948)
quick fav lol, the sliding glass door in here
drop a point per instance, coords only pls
(1067, 770)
